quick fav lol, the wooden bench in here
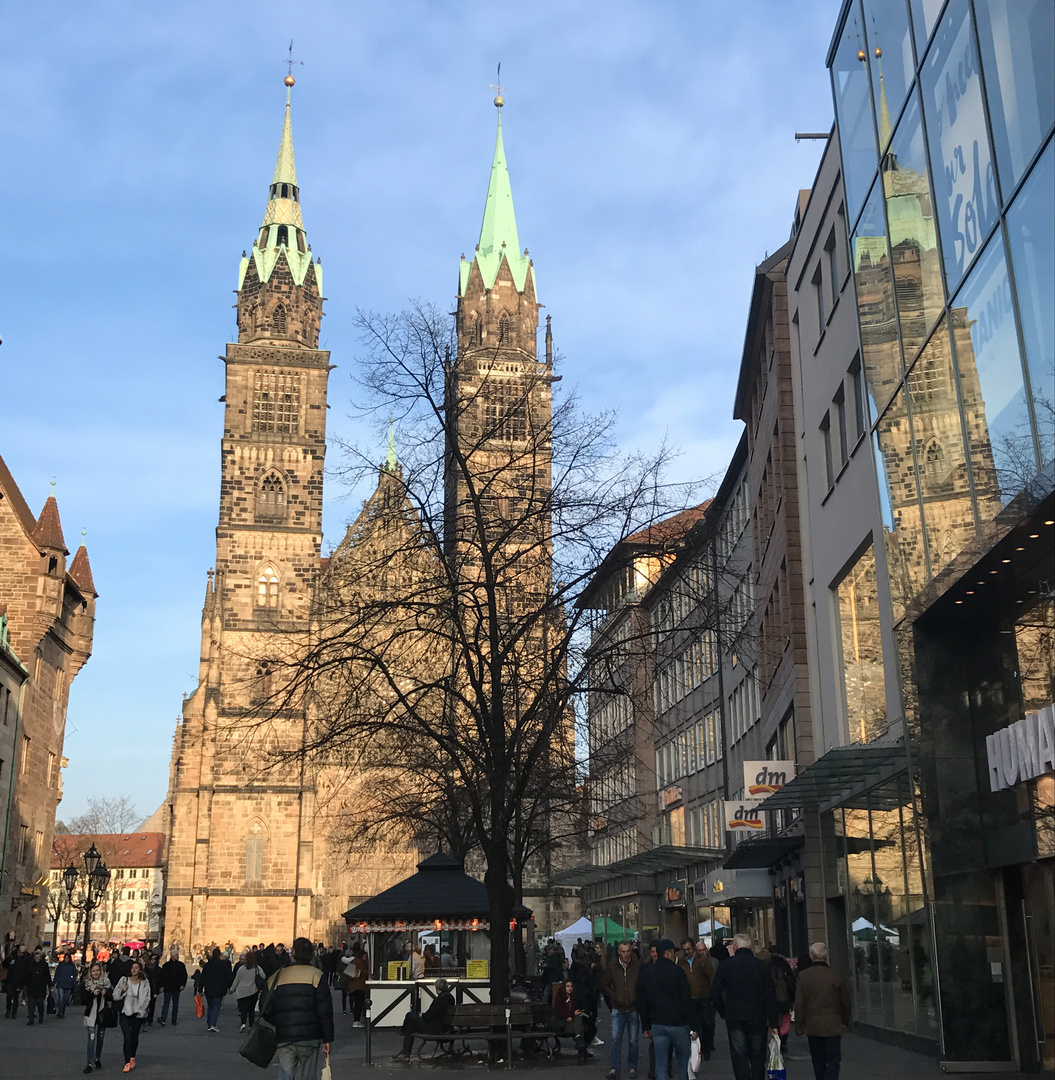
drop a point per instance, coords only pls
(488, 1024)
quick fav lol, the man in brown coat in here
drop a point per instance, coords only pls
(619, 986)
(822, 1012)
(695, 961)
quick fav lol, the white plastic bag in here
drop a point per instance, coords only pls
(775, 1065)
(695, 1057)
(326, 1074)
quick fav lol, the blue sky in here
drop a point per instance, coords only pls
(653, 165)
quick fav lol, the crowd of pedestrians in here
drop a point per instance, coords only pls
(671, 996)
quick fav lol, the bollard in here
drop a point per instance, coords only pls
(368, 1028)
(509, 1038)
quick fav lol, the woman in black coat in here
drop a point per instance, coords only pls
(215, 982)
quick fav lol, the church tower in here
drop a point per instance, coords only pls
(499, 393)
(240, 847)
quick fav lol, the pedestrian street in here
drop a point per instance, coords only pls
(56, 1050)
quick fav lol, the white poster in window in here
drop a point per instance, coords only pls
(764, 778)
(743, 817)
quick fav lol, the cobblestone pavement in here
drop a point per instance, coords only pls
(188, 1052)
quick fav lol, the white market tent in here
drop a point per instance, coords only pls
(581, 928)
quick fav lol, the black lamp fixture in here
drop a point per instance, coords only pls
(97, 879)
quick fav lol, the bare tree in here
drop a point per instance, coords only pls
(105, 814)
(447, 654)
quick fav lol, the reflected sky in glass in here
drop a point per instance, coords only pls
(854, 110)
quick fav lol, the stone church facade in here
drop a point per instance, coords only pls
(257, 853)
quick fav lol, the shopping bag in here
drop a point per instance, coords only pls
(326, 1074)
(260, 1044)
(199, 1006)
(695, 1057)
(775, 1065)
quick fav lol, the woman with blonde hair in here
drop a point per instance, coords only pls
(95, 993)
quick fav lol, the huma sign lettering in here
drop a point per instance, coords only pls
(1023, 750)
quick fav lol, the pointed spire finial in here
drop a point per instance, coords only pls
(53, 485)
(392, 461)
(498, 88)
(289, 80)
(84, 537)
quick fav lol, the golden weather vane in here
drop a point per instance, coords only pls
(498, 88)
(289, 80)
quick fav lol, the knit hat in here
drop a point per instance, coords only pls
(665, 946)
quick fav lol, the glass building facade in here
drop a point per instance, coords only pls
(945, 114)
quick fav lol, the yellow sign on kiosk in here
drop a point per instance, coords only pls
(398, 969)
(476, 969)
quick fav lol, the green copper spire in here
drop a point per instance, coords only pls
(283, 226)
(498, 232)
(393, 461)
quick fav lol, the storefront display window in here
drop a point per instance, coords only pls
(854, 110)
(1015, 37)
(890, 60)
(864, 686)
(1030, 227)
(1003, 453)
(942, 462)
(891, 960)
(960, 159)
(881, 353)
(913, 239)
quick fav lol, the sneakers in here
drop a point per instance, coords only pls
(612, 1074)
(242, 1028)
(597, 1042)
(86, 1069)
(213, 1029)
(633, 1074)
(402, 1056)
(161, 1023)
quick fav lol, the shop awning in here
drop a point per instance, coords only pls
(838, 778)
(439, 896)
(657, 860)
(761, 852)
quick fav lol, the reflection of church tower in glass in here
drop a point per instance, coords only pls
(900, 300)
(240, 848)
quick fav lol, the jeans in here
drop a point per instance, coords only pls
(705, 1011)
(62, 999)
(171, 997)
(667, 1037)
(358, 1005)
(130, 1026)
(212, 1012)
(95, 1043)
(827, 1054)
(299, 1062)
(629, 1022)
(247, 1009)
(747, 1047)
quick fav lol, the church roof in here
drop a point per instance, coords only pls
(441, 889)
(283, 210)
(9, 488)
(80, 572)
(498, 232)
(48, 530)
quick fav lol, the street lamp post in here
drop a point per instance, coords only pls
(97, 879)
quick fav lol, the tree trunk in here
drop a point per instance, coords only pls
(500, 895)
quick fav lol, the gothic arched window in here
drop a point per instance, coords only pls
(271, 499)
(476, 331)
(505, 330)
(283, 236)
(254, 853)
(267, 588)
(278, 321)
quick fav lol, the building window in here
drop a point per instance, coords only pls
(23, 765)
(831, 253)
(505, 410)
(271, 499)
(254, 854)
(278, 321)
(283, 238)
(826, 436)
(864, 683)
(858, 390)
(23, 842)
(276, 402)
(267, 588)
(839, 401)
(504, 330)
(818, 295)
(51, 770)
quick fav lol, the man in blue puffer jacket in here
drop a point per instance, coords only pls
(301, 1008)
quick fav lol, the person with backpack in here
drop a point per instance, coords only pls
(246, 984)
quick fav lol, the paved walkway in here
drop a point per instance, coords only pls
(187, 1052)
